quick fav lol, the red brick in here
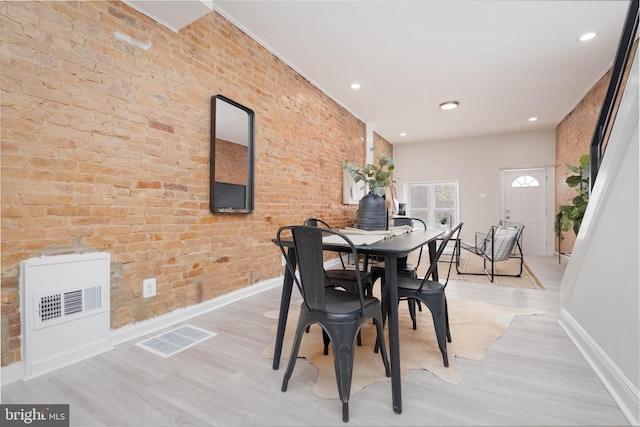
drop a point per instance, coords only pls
(97, 126)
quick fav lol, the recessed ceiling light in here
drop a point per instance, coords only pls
(403, 134)
(586, 37)
(533, 119)
(355, 85)
(449, 105)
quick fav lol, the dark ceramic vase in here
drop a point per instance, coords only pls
(372, 212)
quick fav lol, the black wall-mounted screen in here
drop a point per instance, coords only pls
(230, 196)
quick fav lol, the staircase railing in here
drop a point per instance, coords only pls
(607, 112)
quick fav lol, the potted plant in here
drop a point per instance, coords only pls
(557, 229)
(444, 221)
(572, 214)
(377, 175)
(372, 209)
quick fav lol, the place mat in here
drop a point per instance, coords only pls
(356, 239)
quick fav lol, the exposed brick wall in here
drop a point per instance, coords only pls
(573, 139)
(105, 147)
(382, 144)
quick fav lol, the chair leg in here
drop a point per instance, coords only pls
(380, 343)
(436, 305)
(343, 354)
(446, 316)
(412, 312)
(383, 306)
(326, 341)
(294, 354)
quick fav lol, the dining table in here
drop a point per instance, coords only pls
(390, 248)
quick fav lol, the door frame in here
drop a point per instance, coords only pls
(549, 189)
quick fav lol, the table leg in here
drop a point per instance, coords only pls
(285, 300)
(432, 257)
(391, 277)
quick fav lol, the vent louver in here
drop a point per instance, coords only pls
(72, 302)
(54, 308)
(66, 309)
(50, 307)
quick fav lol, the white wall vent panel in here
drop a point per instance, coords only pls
(66, 310)
(53, 307)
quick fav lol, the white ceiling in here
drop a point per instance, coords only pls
(504, 61)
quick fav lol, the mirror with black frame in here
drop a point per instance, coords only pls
(231, 170)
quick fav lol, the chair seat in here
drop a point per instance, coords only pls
(348, 280)
(340, 303)
(348, 275)
(409, 284)
(471, 248)
(405, 268)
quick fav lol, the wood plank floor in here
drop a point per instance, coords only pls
(533, 375)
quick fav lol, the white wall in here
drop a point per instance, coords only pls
(600, 302)
(474, 162)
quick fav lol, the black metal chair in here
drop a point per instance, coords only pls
(501, 243)
(344, 277)
(378, 269)
(340, 313)
(432, 294)
(404, 268)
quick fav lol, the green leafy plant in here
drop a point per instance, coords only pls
(444, 219)
(557, 226)
(572, 214)
(377, 175)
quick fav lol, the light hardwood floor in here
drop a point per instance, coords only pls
(532, 375)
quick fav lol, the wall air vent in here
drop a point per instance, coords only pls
(66, 310)
(59, 306)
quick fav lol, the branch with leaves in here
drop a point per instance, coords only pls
(377, 175)
(572, 214)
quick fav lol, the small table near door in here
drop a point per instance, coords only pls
(391, 249)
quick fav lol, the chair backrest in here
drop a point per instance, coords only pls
(455, 235)
(307, 242)
(315, 222)
(405, 220)
(439, 251)
(519, 227)
(500, 242)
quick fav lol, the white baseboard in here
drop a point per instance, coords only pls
(16, 371)
(622, 390)
(136, 330)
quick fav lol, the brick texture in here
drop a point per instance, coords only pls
(573, 139)
(105, 147)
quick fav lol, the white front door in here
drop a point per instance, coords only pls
(526, 203)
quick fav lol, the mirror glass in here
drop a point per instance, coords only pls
(231, 157)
